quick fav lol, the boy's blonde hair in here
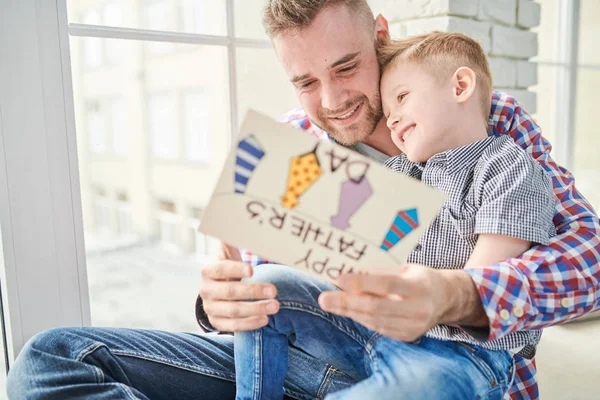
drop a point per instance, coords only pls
(441, 54)
(292, 15)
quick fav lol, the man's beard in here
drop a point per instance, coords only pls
(358, 131)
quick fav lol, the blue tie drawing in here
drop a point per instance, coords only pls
(405, 222)
(248, 155)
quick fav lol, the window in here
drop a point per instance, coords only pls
(586, 164)
(169, 117)
(118, 125)
(196, 126)
(96, 127)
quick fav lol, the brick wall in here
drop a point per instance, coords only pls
(501, 26)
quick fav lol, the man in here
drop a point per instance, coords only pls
(331, 62)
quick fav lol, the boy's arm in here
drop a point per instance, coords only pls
(491, 249)
(548, 284)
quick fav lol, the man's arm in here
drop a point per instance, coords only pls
(548, 284)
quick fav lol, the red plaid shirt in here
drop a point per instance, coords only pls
(548, 284)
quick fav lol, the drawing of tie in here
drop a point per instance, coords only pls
(404, 223)
(304, 171)
(352, 197)
(248, 155)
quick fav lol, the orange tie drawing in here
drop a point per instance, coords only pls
(304, 171)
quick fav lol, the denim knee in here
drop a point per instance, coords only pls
(292, 284)
(30, 361)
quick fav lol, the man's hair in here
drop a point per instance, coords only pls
(293, 15)
(441, 54)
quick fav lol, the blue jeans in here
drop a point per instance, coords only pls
(384, 368)
(112, 363)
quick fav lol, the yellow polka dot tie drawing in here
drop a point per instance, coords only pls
(304, 171)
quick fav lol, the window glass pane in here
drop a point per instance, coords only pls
(259, 72)
(196, 120)
(96, 126)
(138, 206)
(163, 126)
(92, 47)
(589, 32)
(545, 89)
(248, 19)
(587, 141)
(118, 126)
(206, 17)
(547, 31)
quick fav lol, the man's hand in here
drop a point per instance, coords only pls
(225, 298)
(407, 304)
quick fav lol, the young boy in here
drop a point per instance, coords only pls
(436, 92)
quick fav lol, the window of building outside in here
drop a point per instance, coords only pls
(196, 124)
(153, 130)
(162, 113)
(119, 130)
(96, 126)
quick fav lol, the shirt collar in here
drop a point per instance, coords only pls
(461, 158)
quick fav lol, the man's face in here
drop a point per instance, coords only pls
(420, 110)
(333, 66)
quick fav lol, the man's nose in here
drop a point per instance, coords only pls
(333, 96)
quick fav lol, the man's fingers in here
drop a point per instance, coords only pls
(218, 290)
(384, 321)
(228, 252)
(378, 284)
(341, 303)
(240, 309)
(238, 324)
(226, 269)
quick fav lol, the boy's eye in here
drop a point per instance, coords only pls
(401, 97)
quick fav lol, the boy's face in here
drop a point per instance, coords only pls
(333, 66)
(419, 109)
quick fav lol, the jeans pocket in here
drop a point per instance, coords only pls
(482, 359)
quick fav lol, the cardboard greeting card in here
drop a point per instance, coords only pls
(315, 205)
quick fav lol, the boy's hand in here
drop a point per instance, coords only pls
(225, 298)
(407, 304)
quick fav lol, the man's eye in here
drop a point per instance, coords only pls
(306, 85)
(401, 97)
(348, 68)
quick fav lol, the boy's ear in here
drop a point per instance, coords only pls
(382, 30)
(464, 82)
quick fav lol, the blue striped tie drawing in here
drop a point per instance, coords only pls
(404, 223)
(248, 155)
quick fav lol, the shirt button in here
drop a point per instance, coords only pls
(504, 314)
(418, 247)
(518, 312)
(565, 302)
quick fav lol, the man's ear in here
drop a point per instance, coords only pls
(464, 83)
(382, 31)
